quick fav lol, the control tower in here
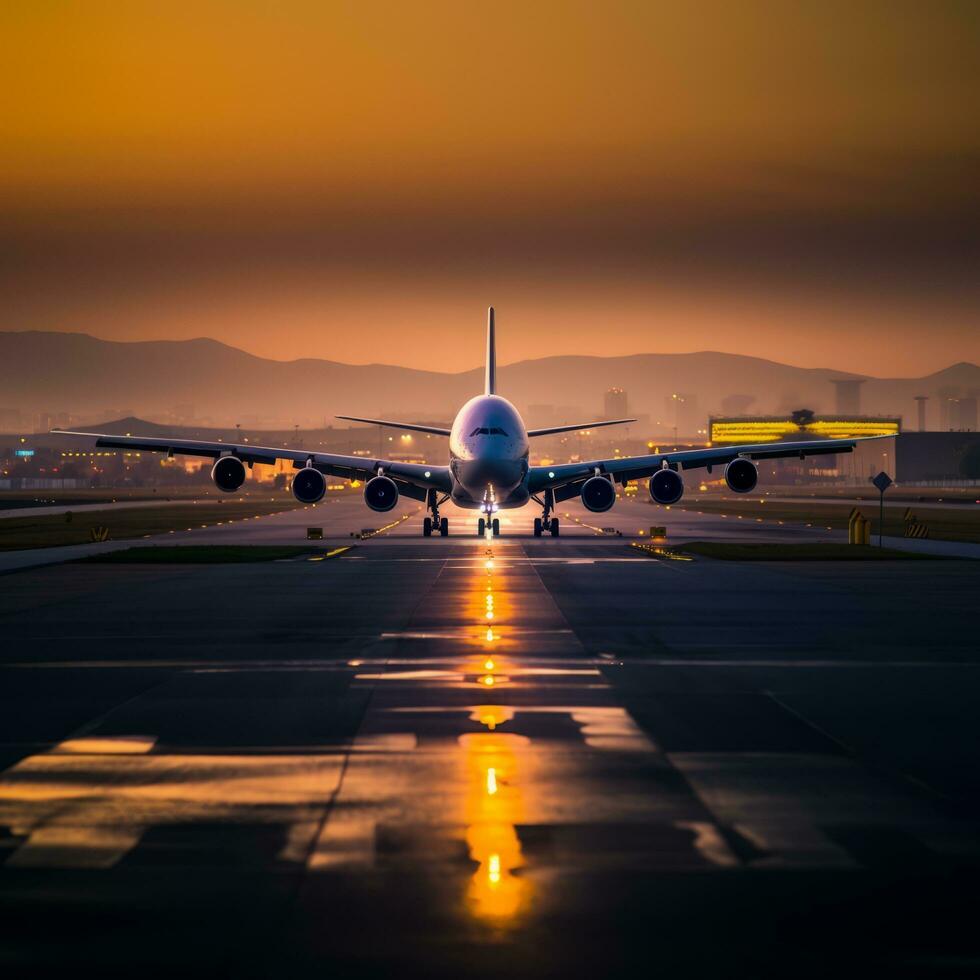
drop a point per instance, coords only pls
(848, 395)
(920, 404)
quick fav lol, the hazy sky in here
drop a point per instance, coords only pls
(359, 181)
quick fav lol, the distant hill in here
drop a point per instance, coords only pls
(66, 372)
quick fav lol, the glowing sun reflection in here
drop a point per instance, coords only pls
(497, 893)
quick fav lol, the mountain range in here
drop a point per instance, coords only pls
(55, 372)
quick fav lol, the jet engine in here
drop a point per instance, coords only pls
(598, 494)
(228, 473)
(666, 486)
(381, 493)
(309, 485)
(741, 475)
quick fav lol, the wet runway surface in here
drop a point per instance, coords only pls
(459, 757)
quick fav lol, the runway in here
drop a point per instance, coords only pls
(630, 766)
(340, 517)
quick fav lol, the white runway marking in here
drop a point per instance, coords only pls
(89, 809)
(786, 803)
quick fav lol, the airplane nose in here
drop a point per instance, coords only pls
(501, 474)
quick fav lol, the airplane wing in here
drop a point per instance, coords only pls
(431, 429)
(531, 433)
(418, 475)
(637, 467)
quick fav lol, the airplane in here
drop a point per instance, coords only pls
(489, 467)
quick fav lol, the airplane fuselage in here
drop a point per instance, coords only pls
(488, 455)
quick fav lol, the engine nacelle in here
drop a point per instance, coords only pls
(309, 486)
(598, 494)
(228, 473)
(741, 475)
(666, 486)
(381, 493)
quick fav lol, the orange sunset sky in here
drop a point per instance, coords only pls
(358, 181)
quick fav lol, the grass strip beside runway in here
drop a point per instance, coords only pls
(211, 554)
(29, 499)
(734, 551)
(960, 523)
(54, 530)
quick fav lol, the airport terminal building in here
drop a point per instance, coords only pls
(910, 458)
(853, 467)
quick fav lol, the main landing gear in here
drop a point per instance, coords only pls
(435, 522)
(441, 525)
(547, 522)
(552, 525)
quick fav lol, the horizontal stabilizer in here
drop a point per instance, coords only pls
(576, 428)
(431, 429)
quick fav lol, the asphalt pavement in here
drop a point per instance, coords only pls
(471, 757)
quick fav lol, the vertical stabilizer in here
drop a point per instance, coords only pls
(491, 385)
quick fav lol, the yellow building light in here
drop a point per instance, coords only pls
(775, 429)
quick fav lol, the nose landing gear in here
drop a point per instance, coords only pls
(482, 524)
(552, 525)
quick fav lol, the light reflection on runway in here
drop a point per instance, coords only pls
(496, 893)
(479, 775)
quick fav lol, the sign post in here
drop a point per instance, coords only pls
(882, 481)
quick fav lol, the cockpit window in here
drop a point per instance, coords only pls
(488, 432)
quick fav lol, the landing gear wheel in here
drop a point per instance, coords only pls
(554, 527)
(427, 528)
(481, 527)
(537, 527)
(444, 527)
(496, 527)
